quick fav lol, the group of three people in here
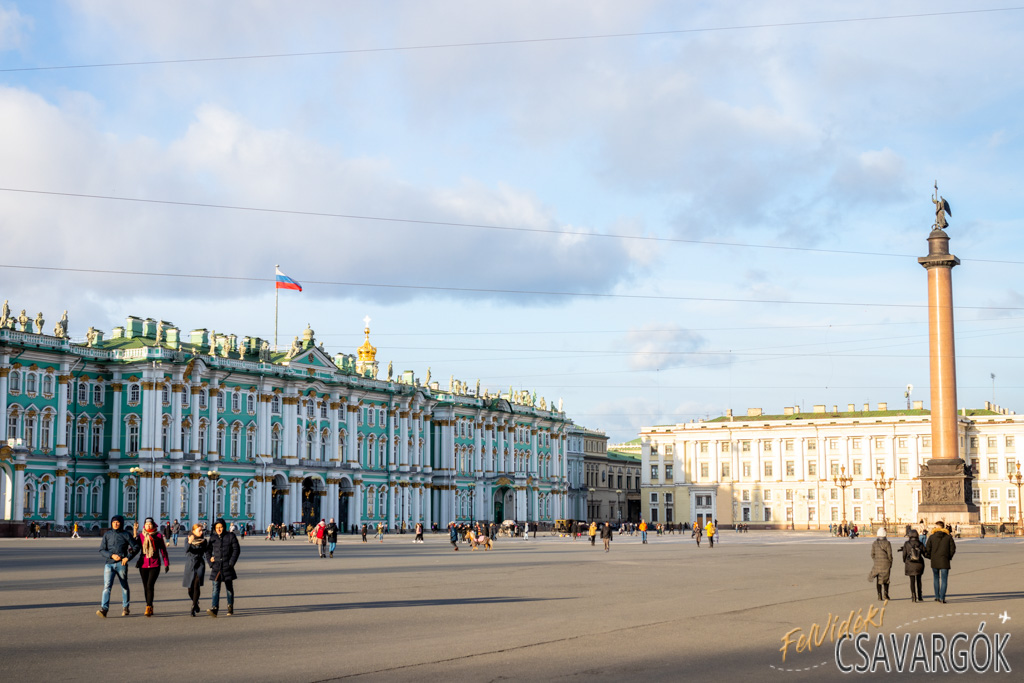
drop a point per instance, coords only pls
(939, 549)
(119, 546)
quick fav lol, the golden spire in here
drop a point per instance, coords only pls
(367, 352)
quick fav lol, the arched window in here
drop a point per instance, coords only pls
(220, 438)
(341, 445)
(30, 383)
(250, 445)
(369, 502)
(236, 401)
(250, 490)
(164, 498)
(83, 392)
(323, 410)
(96, 497)
(324, 438)
(130, 500)
(30, 432)
(29, 500)
(275, 442)
(204, 398)
(48, 385)
(275, 405)
(383, 462)
(383, 502)
(185, 484)
(372, 417)
(132, 444)
(14, 383)
(220, 401)
(236, 502)
(133, 393)
(219, 504)
(308, 452)
(166, 394)
(236, 445)
(81, 437)
(12, 425)
(201, 512)
(202, 438)
(184, 396)
(250, 404)
(309, 408)
(97, 394)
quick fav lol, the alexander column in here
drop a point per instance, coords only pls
(945, 481)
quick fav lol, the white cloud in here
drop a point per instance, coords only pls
(14, 27)
(654, 347)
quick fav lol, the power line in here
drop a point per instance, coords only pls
(476, 226)
(495, 290)
(520, 41)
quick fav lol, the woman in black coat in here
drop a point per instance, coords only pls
(913, 563)
(195, 566)
(222, 553)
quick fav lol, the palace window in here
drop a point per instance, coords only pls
(204, 397)
(904, 466)
(767, 494)
(250, 404)
(14, 383)
(97, 394)
(879, 443)
(725, 447)
(668, 471)
(926, 442)
(901, 442)
(703, 446)
(744, 446)
(96, 497)
(993, 466)
(879, 466)
(184, 397)
(275, 404)
(746, 496)
(1011, 466)
(746, 470)
(726, 470)
(81, 441)
(129, 500)
(704, 470)
(789, 445)
(767, 469)
(275, 442)
(235, 445)
(83, 392)
(856, 494)
(855, 443)
(220, 409)
(30, 383)
(1009, 442)
(974, 443)
(48, 385)
(220, 439)
(857, 469)
(812, 445)
(767, 514)
(166, 395)
(990, 442)
(323, 409)
(812, 468)
(133, 394)
(309, 408)
(790, 468)
(811, 494)
(767, 446)
(250, 444)
(236, 402)
(654, 471)
(132, 444)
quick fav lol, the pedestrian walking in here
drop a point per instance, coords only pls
(380, 532)
(117, 547)
(881, 555)
(606, 536)
(643, 531)
(154, 551)
(418, 538)
(74, 531)
(222, 554)
(717, 537)
(940, 549)
(195, 565)
(320, 534)
(453, 536)
(363, 531)
(697, 532)
(175, 530)
(710, 530)
(331, 534)
(592, 533)
(913, 563)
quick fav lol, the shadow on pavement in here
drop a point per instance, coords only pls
(383, 604)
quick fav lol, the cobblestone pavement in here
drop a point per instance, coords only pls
(543, 609)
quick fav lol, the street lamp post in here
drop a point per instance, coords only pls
(1017, 480)
(843, 480)
(590, 504)
(881, 486)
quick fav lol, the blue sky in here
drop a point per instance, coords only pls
(823, 135)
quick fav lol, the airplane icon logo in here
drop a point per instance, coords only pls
(1004, 616)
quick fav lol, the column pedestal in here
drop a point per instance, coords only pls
(946, 493)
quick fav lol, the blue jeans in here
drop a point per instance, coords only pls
(174, 537)
(215, 598)
(331, 546)
(110, 570)
(643, 535)
(939, 577)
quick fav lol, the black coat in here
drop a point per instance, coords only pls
(195, 566)
(222, 553)
(331, 533)
(910, 567)
(940, 549)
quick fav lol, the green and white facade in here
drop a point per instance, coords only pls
(148, 423)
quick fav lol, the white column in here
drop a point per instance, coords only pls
(478, 465)
(357, 502)
(62, 412)
(174, 495)
(4, 372)
(391, 504)
(212, 455)
(403, 439)
(426, 457)
(196, 390)
(427, 507)
(332, 444)
(392, 465)
(332, 500)
(58, 492)
(520, 504)
(176, 445)
(351, 433)
(113, 494)
(294, 506)
(489, 449)
(288, 427)
(533, 451)
(417, 514)
(417, 449)
(780, 473)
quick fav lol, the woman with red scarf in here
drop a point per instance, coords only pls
(153, 550)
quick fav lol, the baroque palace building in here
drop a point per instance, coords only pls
(789, 470)
(151, 423)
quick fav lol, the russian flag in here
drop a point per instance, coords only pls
(285, 282)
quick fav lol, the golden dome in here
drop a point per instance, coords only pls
(367, 352)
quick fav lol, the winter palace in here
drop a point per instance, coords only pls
(149, 422)
(806, 470)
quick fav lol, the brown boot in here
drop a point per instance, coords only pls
(125, 612)
(102, 613)
(149, 611)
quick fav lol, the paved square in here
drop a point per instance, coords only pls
(549, 608)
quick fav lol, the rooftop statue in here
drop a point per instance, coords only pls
(5, 314)
(295, 349)
(91, 337)
(941, 209)
(390, 370)
(60, 330)
(159, 331)
(427, 382)
(39, 323)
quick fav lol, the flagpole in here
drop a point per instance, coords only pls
(275, 310)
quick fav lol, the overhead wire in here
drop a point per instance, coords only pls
(474, 226)
(518, 41)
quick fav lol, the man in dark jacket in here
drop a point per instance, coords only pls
(606, 536)
(331, 534)
(222, 554)
(117, 548)
(940, 549)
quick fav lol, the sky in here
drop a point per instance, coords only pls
(655, 211)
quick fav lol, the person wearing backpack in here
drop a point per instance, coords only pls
(913, 563)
